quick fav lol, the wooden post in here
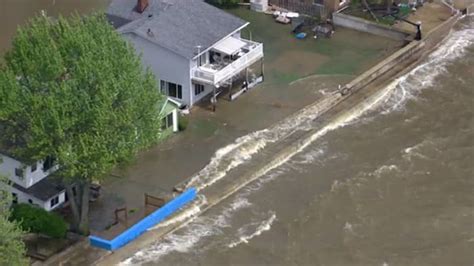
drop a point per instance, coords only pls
(213, 99)
(262, 68)
(247, 79)
(230, 89)
(117, 211)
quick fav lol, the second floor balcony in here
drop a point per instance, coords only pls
(225, 60)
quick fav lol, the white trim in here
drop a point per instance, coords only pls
(225, 37)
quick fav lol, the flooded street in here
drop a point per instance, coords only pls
(389, 186)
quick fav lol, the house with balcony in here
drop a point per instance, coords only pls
(30, 180)
(193, 48)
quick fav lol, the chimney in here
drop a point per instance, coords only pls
(141, 5)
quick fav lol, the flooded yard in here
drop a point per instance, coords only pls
(318, 65)
(323, 63)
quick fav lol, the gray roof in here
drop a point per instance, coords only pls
(179, 25)
(44, 189)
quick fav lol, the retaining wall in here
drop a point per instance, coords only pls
(343, 20)
(146, 223)
(410, 53)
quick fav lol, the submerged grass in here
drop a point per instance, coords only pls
(347, 53)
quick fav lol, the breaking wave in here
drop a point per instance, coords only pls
(244, 237)
(242, 150)
(425, 74)
(391, 98)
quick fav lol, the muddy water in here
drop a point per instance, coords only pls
(17, 12)
(389, 186)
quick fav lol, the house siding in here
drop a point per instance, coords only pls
(24, 198)
(8, 166)
(164, 64)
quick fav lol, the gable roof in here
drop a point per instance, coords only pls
(45, 189)
(178, 25)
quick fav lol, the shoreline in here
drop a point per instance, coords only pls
(362, 87)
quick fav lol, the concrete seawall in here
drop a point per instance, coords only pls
(367, 85)
(363, 25)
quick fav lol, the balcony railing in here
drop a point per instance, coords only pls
(216, 75)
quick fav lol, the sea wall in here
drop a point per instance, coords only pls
(146, 223)
(348, 21)
(409, 53)
(436, 35)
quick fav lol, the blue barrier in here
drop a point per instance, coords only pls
(146, 223)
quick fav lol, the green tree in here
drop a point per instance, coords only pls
(12, 248)
(74, 90)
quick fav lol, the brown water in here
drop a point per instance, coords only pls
(389, 185)
(17, 12)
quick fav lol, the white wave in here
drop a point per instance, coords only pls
(425, 74)
(186, 215)
(310, 157)
(384, 169)
(174, 243)
(196, 230)
(242, 150)
(262, 227)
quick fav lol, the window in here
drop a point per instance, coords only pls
(163, 123)
(14, 198)
(54, 201)
(167, 121)
(171, 89)
(198, 89)
(20, 173)
(34, 167)
(48, 163)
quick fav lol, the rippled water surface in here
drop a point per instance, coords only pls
(392, 185)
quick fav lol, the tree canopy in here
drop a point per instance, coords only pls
(12, 248)
(75, 90)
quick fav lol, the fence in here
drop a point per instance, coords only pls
(142, 226)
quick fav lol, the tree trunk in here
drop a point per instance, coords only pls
(84, 222)
(74, 207)
(80, 207)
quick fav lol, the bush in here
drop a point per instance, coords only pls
(37, 220)
(182, 123)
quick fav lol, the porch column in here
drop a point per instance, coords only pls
(175, 120)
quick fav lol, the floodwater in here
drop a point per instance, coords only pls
(17, 12)
(389, 184)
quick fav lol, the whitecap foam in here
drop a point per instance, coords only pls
(384, 169)
(261, 227)
(185, 215)
(244, 148)
(424, 75)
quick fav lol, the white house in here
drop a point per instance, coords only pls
(31, 182)
(194, 49)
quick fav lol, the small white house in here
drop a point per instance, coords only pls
(193, 48)
(31, 182)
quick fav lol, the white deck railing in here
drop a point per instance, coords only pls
(216, 77)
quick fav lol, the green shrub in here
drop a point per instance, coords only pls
(182, 123)
(37, 220)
